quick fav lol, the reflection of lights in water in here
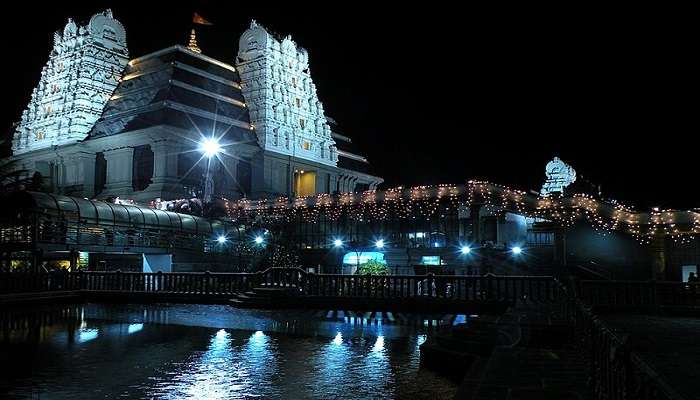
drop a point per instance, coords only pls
(258, 339)
(338, 340)
(134, 328)
(459, 319)
(379, 344)
(85, 334)
(420, 340)
(225, 370)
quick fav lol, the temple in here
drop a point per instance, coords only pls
(100, 125)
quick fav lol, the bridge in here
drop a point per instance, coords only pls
(446, 290)
(296, 286)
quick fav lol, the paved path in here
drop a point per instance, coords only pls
(526, 369)
(670, 345)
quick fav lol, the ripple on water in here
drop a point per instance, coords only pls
(122, 354)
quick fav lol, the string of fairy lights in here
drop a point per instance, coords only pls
(427, 202)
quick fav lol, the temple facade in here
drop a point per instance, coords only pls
(100, 125)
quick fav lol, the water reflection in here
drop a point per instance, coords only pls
(155, 352)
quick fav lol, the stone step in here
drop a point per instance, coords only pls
(276, 291)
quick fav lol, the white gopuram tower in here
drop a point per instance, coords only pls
(284, 109)
(83, 70)
(559, 176)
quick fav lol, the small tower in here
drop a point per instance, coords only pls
(192, 45)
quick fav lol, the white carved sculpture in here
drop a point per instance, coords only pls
(83, 70)
(275, 77)
(559, 176)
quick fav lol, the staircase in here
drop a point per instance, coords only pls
(266, 297)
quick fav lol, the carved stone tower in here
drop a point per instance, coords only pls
(83, 70)
(284, 108)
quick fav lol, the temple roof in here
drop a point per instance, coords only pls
(176, 86)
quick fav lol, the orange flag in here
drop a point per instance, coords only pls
(197, 19)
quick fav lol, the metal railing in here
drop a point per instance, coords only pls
(638, 293)
(614, 369)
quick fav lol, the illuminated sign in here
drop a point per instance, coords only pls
(360, 258)
(430, 260)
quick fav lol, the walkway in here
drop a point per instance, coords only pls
(670, 345)
(537, 363)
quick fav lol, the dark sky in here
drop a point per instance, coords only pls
(441, 95)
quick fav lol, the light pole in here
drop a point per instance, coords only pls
(209, 147)
(338, 246)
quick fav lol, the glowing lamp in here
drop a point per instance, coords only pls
(379, 243)
(221, 239)
(210, 147)
(516, 250)
(466, 250)
(337, 243)
(258, 240)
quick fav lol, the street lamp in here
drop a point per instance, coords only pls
(516, 250)
(258, 240)
(379, 244)
(337, 243)
(210, 147)
(221, 239)
(466, 249)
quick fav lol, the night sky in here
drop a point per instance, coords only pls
(439, 95)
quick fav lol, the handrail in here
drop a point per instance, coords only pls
(615, 370)
(627, 293)
(448, 287)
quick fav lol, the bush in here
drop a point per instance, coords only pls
(372, 267)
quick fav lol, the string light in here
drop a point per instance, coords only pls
(426, 202)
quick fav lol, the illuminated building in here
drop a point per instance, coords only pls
(99, 125)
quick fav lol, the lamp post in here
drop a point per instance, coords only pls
(338, 245)
(209, 147)
(465, 251)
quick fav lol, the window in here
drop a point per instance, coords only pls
(294, 82)
(540, 238)
(298, 102)
(307, 146)
(302, 123)
(40, 135)
(49, 110)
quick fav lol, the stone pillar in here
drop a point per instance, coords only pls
(559, 248)
(258, 183)
(164, 183)
(120, 167)
(500, 229)
(80, 171)
(232, 189)
(475, 216)
(658, 257)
